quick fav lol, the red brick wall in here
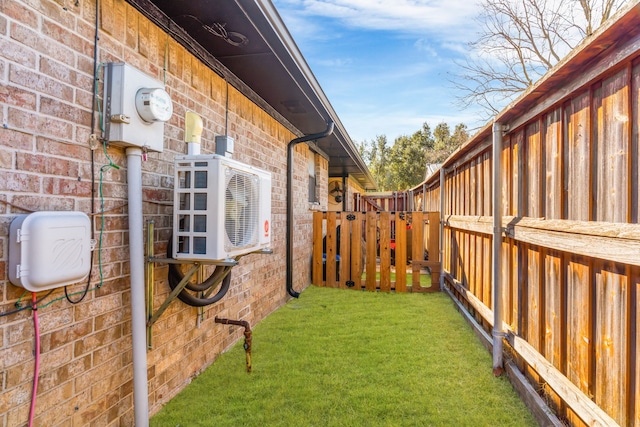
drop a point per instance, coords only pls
(46, 85)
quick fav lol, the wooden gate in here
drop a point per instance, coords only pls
(386, 251)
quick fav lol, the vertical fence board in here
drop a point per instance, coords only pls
(486, 188)
(478, 276)
(516, 174)
(534, 302)
(552, 151)
(385, 251)
(635, 145)
(433, 248)
(578, 159)
(345, 250)
(317, 266)
(505, 268)
(634, 356)
(613, 150)
(580, 339)
(553, 309)
(533, 166)
(358, 249)
(506, 177)
(611, 370)
(417, 239)
(331, 250)
(372, 250)
(487, 280)
(514, 283)
(579, 336)
(401, 253)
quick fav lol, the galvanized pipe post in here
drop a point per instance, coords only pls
(498, 331)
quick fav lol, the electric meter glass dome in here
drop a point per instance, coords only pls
(154, 105)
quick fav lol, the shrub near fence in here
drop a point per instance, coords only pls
(570, 256)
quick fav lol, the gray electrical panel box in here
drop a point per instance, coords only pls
(135, 108)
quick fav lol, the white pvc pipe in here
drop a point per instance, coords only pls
(498, 332)
(138, 318)
(193, 148)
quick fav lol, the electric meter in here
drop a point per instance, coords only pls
(154, 105)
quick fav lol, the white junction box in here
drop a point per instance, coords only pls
(222, 208)
(49, 249)
(135, 108)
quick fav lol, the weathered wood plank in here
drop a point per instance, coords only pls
(417, 245)
(433, 248)
(372, 250)
(552, 149)
(385, 251)
(401, 253)
(533, 187)
(357, 249)
(579, 326)
(635, 147)
(572, 395)
(345, 250)
(331, 250)
(535, 299)
(517, 141)
(578, 162)
(611, 241)
(634, 356)
(554, 340)
(612, 150)
(611, 345)
(318, 218)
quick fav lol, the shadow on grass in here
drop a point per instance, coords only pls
(347, 358)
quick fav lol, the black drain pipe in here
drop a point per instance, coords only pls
(290, 147)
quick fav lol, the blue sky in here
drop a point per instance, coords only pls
(385, 65)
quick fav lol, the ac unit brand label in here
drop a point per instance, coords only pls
(266, 228)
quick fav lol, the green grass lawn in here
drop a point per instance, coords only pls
(348, 358)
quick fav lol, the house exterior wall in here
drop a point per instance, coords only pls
(46, 92)
(352, 188)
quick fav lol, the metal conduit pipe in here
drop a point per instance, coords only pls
(247, 336)
(498, 331)
(138, 316)
(306, 138)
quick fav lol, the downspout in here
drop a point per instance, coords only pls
(138, 317)
(345, 192)
(290, 228)
(498, 331)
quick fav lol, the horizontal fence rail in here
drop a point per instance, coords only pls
(361, 250)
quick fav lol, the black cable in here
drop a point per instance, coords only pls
(221, 274)
(93, 173)
(26, 307)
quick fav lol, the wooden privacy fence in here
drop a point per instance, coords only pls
(569, 259)
(359, 250)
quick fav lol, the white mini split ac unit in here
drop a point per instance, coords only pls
(222, 208)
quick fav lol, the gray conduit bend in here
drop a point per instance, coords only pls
(292, 144)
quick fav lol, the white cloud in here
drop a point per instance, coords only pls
(423, 45)
(335, 62)
(406, 16)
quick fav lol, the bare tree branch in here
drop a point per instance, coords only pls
(520, 41)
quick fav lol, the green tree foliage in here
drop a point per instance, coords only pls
(403, 165)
